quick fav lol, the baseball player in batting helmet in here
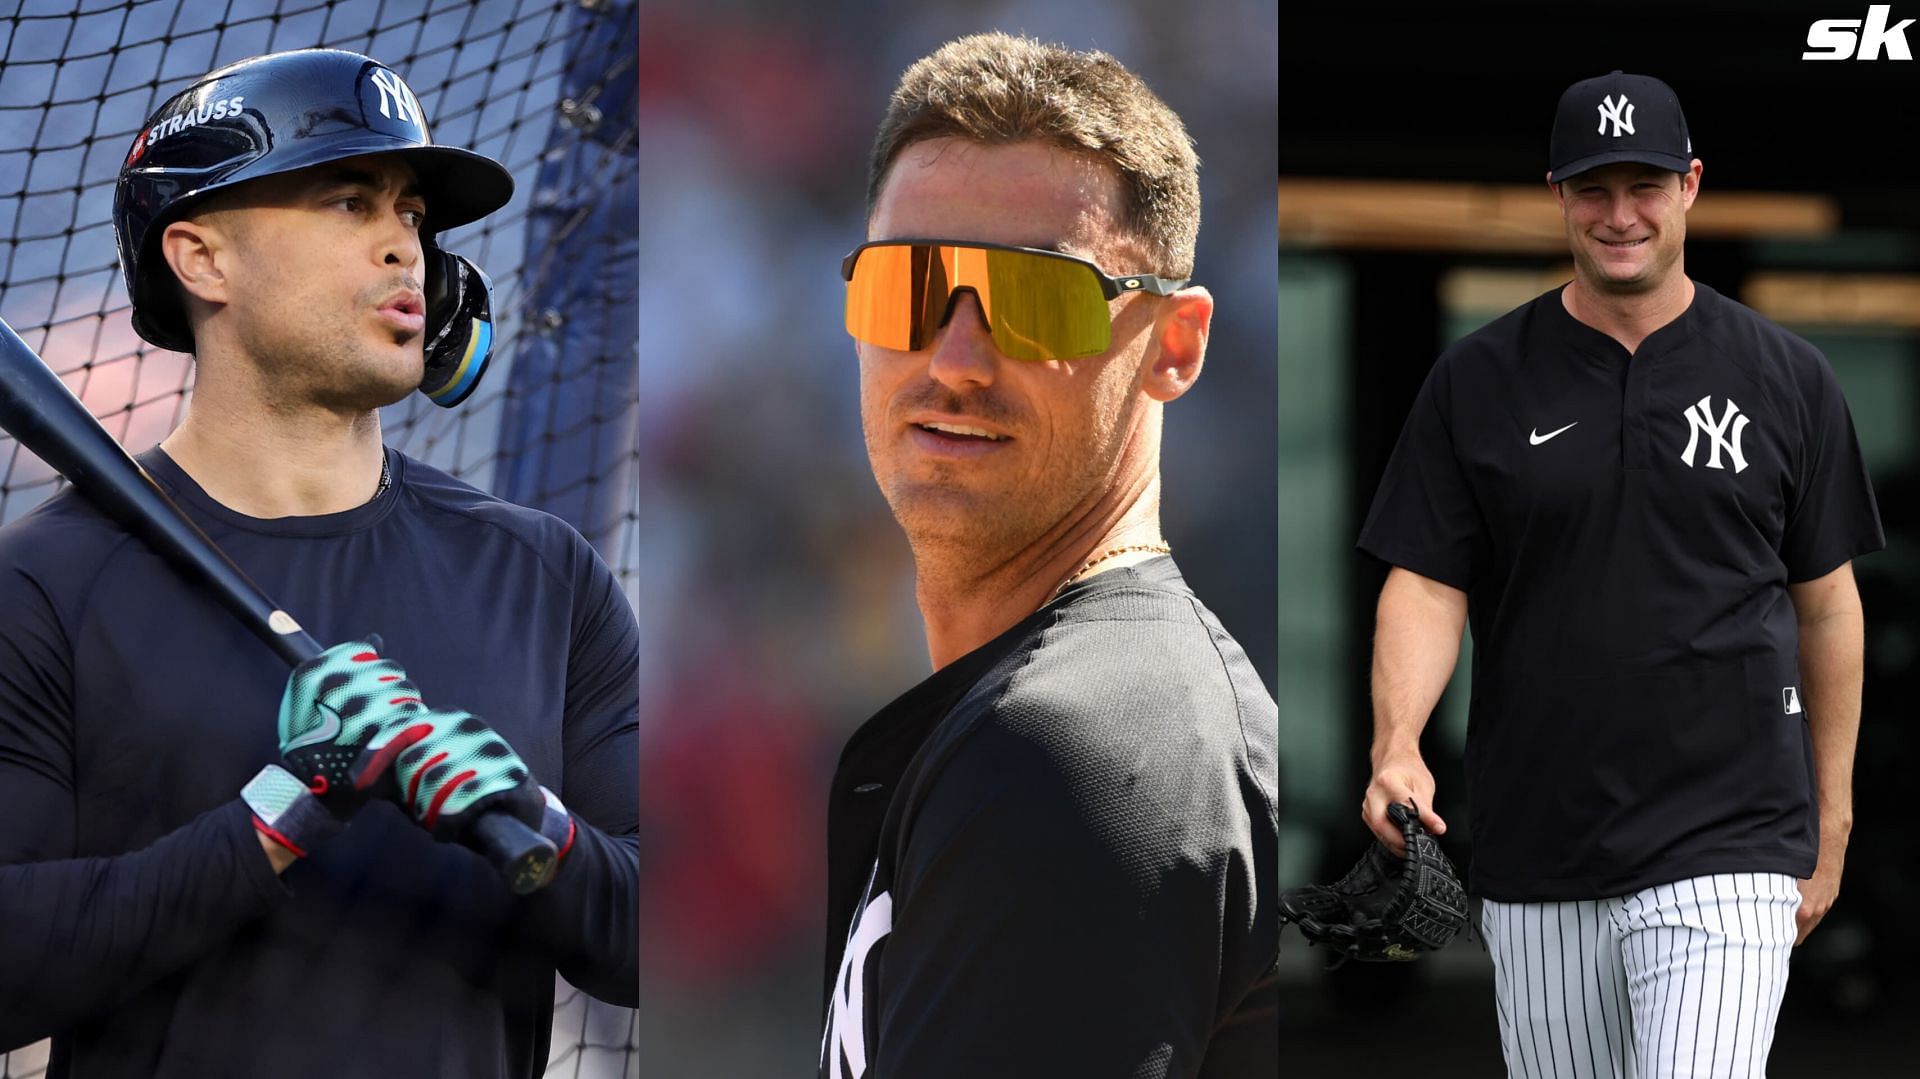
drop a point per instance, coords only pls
(1645, 499)
(179, 892)
(261, 118)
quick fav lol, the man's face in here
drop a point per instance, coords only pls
(325, 291)
(968, 446)
(1627, 223)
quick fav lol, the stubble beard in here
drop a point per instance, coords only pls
(326, 363)
(950, 520)
(962, 526)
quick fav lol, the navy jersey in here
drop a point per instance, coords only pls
(140, 923)
(1625, 528)
(1057, 855)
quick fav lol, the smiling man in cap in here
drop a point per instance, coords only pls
(1646, 500)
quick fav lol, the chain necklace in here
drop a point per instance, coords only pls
(1157, 548)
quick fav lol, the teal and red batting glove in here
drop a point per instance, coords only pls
(337, 723)
(454, 768)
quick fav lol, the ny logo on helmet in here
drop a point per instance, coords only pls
(1700, 418)
(397, 98)
(1622, 121)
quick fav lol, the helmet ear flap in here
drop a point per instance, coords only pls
(459, 327)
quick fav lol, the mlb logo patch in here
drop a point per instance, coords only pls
(1790, 698)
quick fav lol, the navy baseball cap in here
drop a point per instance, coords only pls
(1614, 118)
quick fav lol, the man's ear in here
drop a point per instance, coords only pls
(1181, 334)
(1558, 197)
(199, 254)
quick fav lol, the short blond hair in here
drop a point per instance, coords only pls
(996, 88)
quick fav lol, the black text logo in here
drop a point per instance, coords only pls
(1847, 39)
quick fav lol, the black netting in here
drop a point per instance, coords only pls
(545, 86)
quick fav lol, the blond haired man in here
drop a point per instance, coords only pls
(1056, 855)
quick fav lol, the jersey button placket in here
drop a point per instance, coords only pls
(1636, 429)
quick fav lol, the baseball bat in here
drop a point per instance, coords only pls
(45, 417)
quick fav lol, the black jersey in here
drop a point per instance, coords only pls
(140, 923)
(1057, 855)
(1625, 528)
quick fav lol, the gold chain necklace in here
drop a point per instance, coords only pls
(1156, 548)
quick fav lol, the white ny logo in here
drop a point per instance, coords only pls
(1700, 418)
(394, 91)
(843, 1048)
(1622, 121)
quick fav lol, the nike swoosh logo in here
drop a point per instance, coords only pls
(1535, 437)
(328, 730)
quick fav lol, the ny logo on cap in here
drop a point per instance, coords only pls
(1622, 121)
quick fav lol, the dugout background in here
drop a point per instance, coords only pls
(1463, 94)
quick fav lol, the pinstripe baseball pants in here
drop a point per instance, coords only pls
(1677, 981)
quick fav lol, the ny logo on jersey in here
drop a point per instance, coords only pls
(1622, 121)
(843, 1048)
(397, 98)
(1722, 435)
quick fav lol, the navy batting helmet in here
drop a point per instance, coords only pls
(286, 111)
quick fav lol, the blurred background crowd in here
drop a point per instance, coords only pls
(777, 592)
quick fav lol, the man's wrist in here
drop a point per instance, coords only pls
(1395, 748)
(557, 825)
(1836, 821)
(286, 814)
(278, 855)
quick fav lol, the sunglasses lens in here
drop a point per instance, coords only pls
(1039, 308)
(1045, 308)
(882, 294)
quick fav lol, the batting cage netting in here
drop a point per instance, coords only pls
(547, 87)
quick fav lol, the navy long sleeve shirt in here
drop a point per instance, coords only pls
(141, 925)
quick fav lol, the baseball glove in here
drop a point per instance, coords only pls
(1386, 909)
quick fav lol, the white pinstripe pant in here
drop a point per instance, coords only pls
(1677, 981)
